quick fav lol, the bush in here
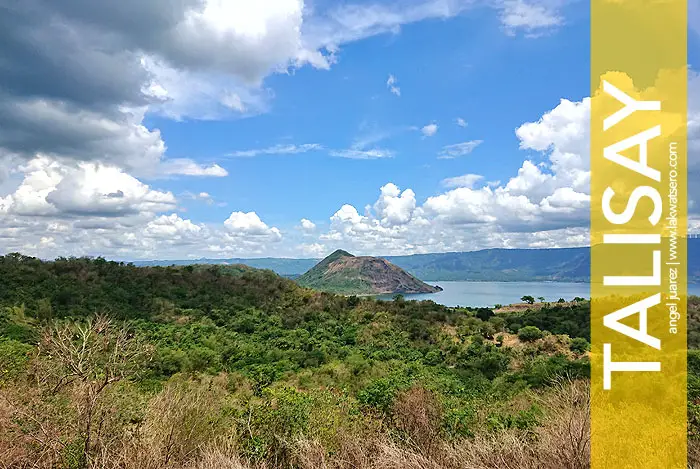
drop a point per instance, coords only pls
(579, 345)
(484, 314)
(13, 359)
(530, 334)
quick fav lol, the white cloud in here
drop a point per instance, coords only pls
(172, 227)
(307, 225)
(190, 168)
(314, 250)
(202, 196)
(458, 149)
(202, 59)
(533, 17)
(429, 130)
(53, 188)
(467, 180)
(355, 154)
(289, 149)
(200, 94)
(544, 204)
(250, 224)
(395, 207)
(347, 22)
(461, 122)
(391, 84)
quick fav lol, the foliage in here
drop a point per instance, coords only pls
(572, 319)
(528, 299)
(529, 334)
(187, 355)
(580, 345)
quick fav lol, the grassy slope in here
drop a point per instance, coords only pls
(246, 355)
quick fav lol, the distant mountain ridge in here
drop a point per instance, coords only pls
(554, 264)
(343, 273)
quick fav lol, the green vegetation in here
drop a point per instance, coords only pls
(105, 364)
(528, 299)
(529, 334)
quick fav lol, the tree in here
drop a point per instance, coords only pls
(528, 299)
(484, 314)
(579, 345)
(90, 357)
(529, 334)
(561, 300)
(541, 298)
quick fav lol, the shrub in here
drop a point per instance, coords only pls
(484, 314)
(499, 340)
(579, 345)
(530, 334)
(13, 359)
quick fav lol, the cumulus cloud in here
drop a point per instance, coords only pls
(314, 250)
(458, 149)
(152, 56)
(79, 164)
(250, 224)
(542, 204)
(429, 130)
(461, 122)
(172, 227)
(395, 207)
(307, 225)
(52, 188)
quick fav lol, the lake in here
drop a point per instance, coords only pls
(493, 293)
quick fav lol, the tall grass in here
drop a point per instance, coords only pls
(194, 425)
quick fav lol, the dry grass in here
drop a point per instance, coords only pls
(181, 431)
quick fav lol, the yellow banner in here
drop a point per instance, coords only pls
(638, 228)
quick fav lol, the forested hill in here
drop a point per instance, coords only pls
(557, 264)
(282, 266)
(81, 287)
(273, 372)
(566, 264)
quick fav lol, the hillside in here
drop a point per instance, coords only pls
(566, 264)
(230, 366)
(286, 267)
(234, 362)
(518, 265)
(341, 272)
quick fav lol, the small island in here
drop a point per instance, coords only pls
(343, 273)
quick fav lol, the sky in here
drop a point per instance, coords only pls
(162, 129)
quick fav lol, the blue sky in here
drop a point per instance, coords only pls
(226, 129)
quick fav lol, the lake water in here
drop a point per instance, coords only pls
(493, 293)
